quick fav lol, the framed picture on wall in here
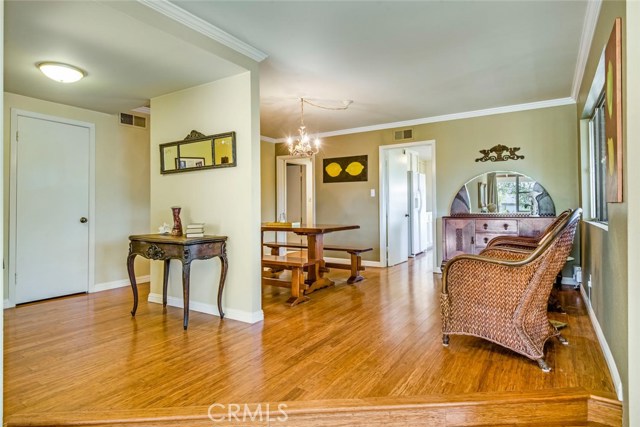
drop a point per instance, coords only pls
(345, 169)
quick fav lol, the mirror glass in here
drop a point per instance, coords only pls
(198, 152)
(503, 193)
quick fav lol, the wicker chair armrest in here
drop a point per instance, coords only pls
(484, 269)
(514, 240)
(510, 254)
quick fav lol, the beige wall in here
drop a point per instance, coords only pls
(268, 180)
(610, 255)
(122, 183)
(227, 200)
(547, 138)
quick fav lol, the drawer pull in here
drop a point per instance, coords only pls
(506, 226)
(485, 226)
(486, 240)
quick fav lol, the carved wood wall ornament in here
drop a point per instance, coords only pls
(502, 153)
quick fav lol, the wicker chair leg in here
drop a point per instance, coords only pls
(543, 365)
(562, 340)
(445, 340)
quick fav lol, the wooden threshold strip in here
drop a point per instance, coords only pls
(571, 406)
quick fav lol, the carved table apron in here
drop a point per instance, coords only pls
(165, 248)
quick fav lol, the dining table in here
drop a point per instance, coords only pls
(315, 246)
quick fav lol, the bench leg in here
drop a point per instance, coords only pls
(356, 267)
(297, 278)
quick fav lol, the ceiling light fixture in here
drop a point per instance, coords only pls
(303, 146)
(59, 72)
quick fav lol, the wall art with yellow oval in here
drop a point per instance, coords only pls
(344, 169)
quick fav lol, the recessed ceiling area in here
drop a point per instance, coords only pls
(398, 61)
(127, 61)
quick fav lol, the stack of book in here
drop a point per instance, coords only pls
(195, 230)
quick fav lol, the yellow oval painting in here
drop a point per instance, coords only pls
(354, 168)
(609, 90)
(610, 155)
(333, 169)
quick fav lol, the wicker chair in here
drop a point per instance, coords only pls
(528, 242)
(501, 295)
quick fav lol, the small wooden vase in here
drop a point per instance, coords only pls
(177, 224)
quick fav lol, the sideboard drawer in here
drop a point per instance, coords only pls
(483, 238)
(501, 226)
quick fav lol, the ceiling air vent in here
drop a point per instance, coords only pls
(403, 134)
(133, 120)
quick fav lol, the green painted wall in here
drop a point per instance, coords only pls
(608, 260)
(547, 138)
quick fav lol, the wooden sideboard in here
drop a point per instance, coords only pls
(469, 234)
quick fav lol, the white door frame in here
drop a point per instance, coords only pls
(281, 185)
(13, 192)
(384, 197)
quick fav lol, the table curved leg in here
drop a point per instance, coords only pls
(132, 279)
(223, 275)
(165, 282)
(186, 268)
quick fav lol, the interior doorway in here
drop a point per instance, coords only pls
(407, 201)
(295, 194)
(51, 207)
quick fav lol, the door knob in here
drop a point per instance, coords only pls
(83, 220)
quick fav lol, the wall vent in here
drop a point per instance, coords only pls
(403, 135)
(133, 120)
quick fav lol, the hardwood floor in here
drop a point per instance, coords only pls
(376, 341)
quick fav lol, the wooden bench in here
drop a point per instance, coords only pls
(356, 259)
(297, 266)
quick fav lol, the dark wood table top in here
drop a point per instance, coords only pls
(309, 229)
(178, 240)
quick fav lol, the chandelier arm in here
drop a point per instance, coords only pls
(324, 107)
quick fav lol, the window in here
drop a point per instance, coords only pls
(598, 162)
(515, 193)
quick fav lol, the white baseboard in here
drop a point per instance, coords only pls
(230, 313)
(608, 356)
(98, 287)
(8, 304)
(346, 261)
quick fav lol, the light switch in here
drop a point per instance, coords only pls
(373, 192)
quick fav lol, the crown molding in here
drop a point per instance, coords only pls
(144, 110)
(448, 117)
(269, 139)
(203, 27)
(588, 31)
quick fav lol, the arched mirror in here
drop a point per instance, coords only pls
(508, 193)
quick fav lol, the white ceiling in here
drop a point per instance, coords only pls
(398, 61)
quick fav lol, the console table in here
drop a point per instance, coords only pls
(165, 248)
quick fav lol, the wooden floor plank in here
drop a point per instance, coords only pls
(379, 338)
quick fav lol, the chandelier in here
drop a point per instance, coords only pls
(303, 146)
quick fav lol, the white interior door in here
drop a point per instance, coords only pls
(398, 207)
(52, 209)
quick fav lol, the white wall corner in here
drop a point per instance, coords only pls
(8, 304)
(230, 313)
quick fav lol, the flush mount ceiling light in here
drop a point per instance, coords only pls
(59, 72)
